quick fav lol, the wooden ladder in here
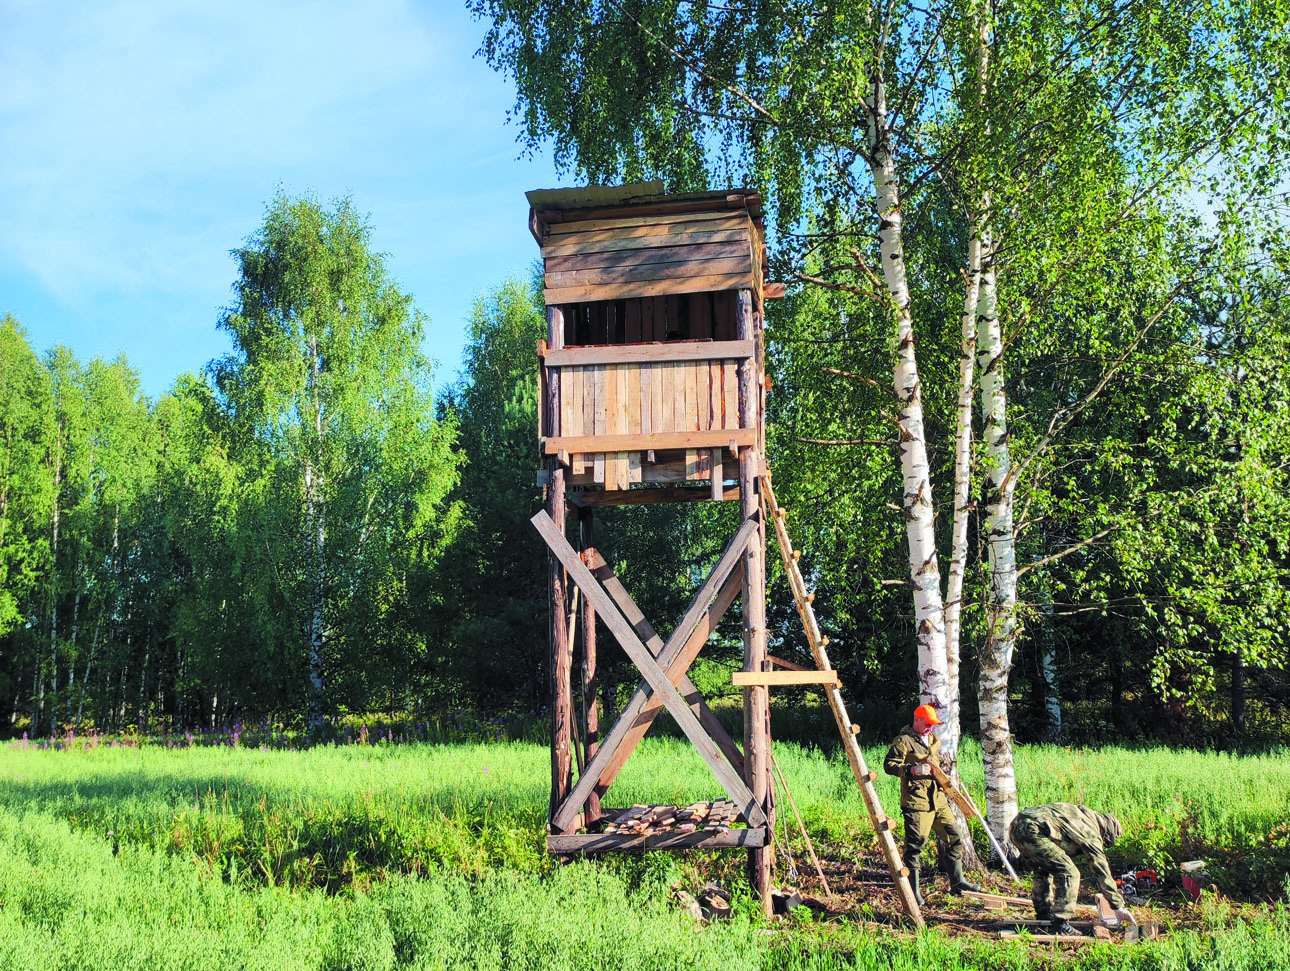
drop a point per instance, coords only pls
(881, 822)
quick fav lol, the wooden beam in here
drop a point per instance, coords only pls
(690, 635)
(617, 241)
(1049, 938)
(645, 497)
(756, 697)
(988, 898)
(652, 353)
(780, 678)
(600, 276)
(590, 679)
(642, 222)
(561, 656)
(681, 283)
(613, 586)
(713, 438)
(683, 249)
(739, 793)
(699, 840)
(787, 665)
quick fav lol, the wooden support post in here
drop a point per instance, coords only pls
(590, 684)
(756, 697)
(561, 657)
(712, 600)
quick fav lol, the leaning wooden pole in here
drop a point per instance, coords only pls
(810, 847)
(561, 655)
(756, 697)
(590, 684)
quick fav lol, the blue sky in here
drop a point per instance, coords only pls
(141, 141)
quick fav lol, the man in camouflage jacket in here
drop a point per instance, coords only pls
(1048, 836)
(922, 803)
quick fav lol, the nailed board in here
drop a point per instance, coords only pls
(649, 256)
(611, 415)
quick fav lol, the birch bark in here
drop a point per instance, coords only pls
(1047, 643)
(315, 526)
(1001, 630)
(952, 732)
(924, 568)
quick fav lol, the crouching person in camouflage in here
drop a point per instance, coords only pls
(1048, 836)
(922, 803)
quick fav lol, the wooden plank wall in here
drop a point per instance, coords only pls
(640, 399)
(649, 256)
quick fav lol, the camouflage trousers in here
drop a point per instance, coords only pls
(919, 824)
(1056, 876)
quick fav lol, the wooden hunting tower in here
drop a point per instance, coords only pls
(652, 390)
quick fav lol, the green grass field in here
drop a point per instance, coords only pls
(392, 856)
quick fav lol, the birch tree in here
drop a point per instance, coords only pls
(1111, 109)
(327, 389)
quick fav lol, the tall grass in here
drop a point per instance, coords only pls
(387, 856)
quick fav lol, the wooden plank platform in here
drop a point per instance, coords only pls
(729, 839)
(701, 825)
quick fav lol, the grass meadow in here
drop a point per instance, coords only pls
(381, 856)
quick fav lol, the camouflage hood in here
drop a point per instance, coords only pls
(1111, 829)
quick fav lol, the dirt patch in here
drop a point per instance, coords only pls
(862, 891)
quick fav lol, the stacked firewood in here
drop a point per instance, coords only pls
(643, 820)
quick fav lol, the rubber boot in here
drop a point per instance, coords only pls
(913, 883)
(958, 882)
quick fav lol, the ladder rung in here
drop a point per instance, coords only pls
(883, 824)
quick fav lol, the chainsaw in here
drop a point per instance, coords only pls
(1136, 882)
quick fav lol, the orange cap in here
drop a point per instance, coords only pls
(928, 714)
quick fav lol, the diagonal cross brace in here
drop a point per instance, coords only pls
(676, 671)
(663, 688)
(643, 707)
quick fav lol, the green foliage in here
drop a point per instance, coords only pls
(258, 542)
(489, 604)
(329, 416)
(26, 489)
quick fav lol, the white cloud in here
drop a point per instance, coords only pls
(125, 127)
(140, 142)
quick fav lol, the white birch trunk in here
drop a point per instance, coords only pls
(1001, 634)
(71, 661)
(1048, 674)
(952, 731)
(315, 526)
(924, 569)
(85, 681)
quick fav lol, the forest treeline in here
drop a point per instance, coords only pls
(303, 530)
(1029, 401)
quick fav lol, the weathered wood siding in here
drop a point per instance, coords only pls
(687, 405)
(653, 255)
